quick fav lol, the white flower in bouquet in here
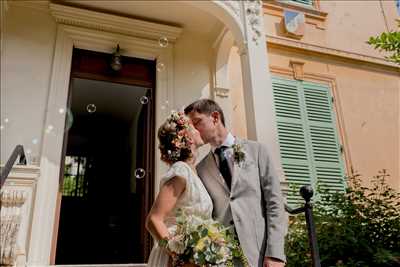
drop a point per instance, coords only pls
(177, 243)
(203, 241)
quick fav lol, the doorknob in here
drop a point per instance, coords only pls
(140, 173)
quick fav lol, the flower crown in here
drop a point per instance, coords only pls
(177, 144)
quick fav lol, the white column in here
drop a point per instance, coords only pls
(221, 92)
(257, 87)
(48, 184)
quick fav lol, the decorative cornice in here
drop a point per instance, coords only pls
(255, 16)
(22, 172)
(273, 41)
(111, 23)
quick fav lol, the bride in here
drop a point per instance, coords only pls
(180, 187)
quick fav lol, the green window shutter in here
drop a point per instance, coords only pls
(308, 140)
(327, 158)
(291, 134)
(304, 2)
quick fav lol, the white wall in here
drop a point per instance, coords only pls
(29, 38)
(192, 69)
(192, 59)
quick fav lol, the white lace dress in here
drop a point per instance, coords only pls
(195, 197)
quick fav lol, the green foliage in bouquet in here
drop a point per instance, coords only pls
(203, 242)
(359, 227)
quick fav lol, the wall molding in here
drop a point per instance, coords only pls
(279, 42)
(297, 68)
(23, 172)
(112, 23)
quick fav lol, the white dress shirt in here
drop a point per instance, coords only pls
(228, 142)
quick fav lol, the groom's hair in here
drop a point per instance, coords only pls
(205, 106)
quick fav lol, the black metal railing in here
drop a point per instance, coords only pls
(307, 192)
(18, 152)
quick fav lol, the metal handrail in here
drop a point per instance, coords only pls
(307, 192)
(17, 152)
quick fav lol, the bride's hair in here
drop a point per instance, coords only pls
(175, 144)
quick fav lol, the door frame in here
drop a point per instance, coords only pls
(100, 40)
(98, 73)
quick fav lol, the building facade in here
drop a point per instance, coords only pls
(296, 75)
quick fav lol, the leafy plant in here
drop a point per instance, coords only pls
(359, 227)
(389, 42)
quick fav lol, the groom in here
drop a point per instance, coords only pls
(243, 185)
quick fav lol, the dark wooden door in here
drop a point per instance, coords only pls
(102, 220)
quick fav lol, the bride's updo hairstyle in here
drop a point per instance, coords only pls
(175, 144)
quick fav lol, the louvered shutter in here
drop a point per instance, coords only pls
(295, 155)
(327, 158)
(308, 140)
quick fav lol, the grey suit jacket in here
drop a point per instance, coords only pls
(254, 205)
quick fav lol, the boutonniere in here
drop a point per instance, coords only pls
(238, 154)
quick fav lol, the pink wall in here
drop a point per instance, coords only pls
(368, 93)
(366, 106)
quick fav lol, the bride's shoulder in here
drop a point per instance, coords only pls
(179, 165)
(179, 168)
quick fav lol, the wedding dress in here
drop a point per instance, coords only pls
(195, 198)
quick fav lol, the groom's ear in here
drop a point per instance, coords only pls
(215, 116)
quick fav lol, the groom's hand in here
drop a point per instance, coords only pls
(271, 262)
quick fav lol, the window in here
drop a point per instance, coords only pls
(308, 139)
(75, 178)
(304, 2)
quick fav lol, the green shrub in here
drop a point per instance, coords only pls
(359, 227)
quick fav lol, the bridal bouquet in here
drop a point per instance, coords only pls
(203, 242)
